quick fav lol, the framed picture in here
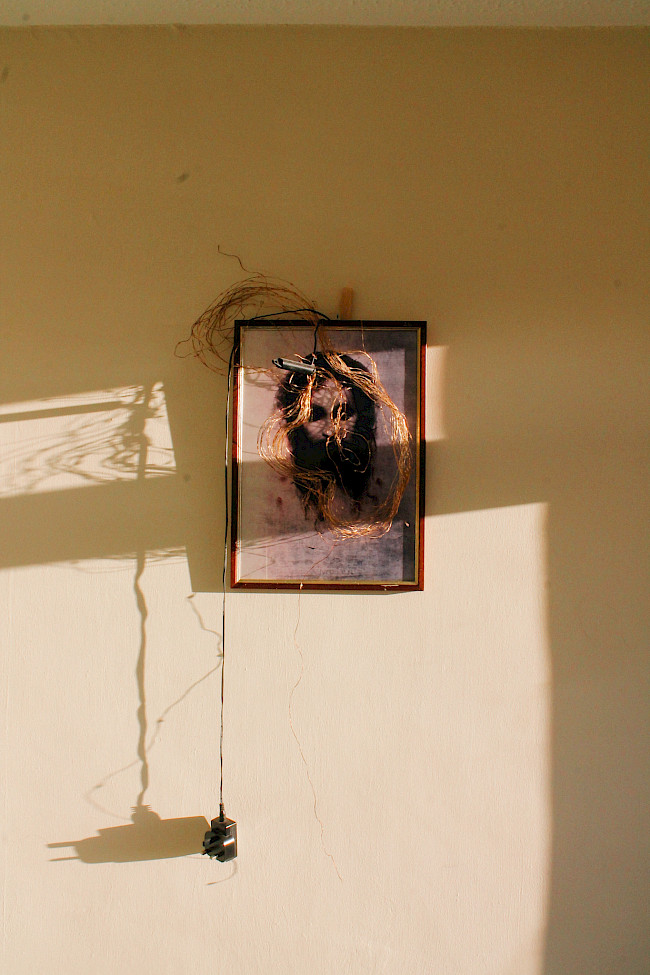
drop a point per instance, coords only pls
(328, 455)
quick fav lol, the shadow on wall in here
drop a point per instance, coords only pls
(148, 838)
(92, 475)
(89, 475)
(555, 417)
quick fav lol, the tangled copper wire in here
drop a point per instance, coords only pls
(318, 486)
(212, 335)
(211, 341)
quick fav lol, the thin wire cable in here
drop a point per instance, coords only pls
(223, 576)
(292, 311)
(295, 311)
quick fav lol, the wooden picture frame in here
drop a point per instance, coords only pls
(277, 540)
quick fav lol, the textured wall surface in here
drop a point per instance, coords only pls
(409, 13)
(445, 782)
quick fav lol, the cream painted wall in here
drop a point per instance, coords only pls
(478, 751)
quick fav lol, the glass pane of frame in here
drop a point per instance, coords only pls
(288, 533)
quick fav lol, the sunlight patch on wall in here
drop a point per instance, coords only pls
(487, 728)
(436, 367)
(84, 439)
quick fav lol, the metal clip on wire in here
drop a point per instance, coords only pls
(308, 368)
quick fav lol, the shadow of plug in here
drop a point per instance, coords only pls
(148, 837)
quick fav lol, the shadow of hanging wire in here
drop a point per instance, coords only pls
(140, 438)
(147, 837)
(215, 883)
(151, 743)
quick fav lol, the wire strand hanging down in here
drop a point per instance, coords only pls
(223, 574)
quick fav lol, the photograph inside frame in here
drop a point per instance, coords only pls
(327, 444)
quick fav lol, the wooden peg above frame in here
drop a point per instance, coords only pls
(345, 304)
